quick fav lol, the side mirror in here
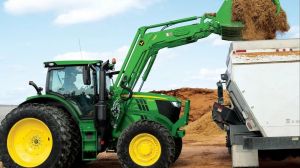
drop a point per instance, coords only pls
(86, 75)
(224, 77)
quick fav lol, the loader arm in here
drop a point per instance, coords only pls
(146, 45)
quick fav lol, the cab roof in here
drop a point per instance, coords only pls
(71, 63)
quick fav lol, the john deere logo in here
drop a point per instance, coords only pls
(142, 43)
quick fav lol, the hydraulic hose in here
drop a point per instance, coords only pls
(123, 86)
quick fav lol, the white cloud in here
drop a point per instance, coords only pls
(294, 32)
(215, 40)
(76, 11)
(165, 55)
(209, 74)
(119, 54)
(84, 55)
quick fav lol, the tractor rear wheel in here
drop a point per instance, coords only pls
(146, 144)
(36, 135)
(178, 148)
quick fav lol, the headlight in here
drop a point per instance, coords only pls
(176, 104)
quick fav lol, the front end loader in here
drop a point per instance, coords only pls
(83, 113)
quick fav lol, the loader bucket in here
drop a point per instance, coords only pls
(232, 30)
(278, 7)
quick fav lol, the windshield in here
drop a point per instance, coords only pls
(68, 82)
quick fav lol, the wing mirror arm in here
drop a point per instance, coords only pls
(38, 89)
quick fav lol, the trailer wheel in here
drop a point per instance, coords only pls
(36, 135)
(178, 148)
(146, 144)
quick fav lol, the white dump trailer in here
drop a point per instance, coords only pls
(263, 82)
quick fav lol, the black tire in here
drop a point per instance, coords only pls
(156, 130)
(65, 144)
(178, 148)
(277, 155)
(76, 142)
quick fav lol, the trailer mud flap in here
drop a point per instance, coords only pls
(224, 116)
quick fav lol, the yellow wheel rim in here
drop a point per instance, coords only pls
(145, 149)
(29, 142)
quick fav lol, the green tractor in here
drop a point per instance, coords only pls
(78, 117)
(84, 112)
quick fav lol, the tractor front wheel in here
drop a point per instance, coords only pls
(178, 148)
(146, 144)
(36, 135)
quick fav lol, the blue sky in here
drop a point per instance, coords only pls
(35, 31)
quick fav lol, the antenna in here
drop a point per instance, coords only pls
(79, 43)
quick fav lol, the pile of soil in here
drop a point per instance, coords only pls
(260, 19)
(201, 127)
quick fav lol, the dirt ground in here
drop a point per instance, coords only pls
(199, 155)
(204, 144)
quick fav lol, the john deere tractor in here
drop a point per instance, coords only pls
(84, 112)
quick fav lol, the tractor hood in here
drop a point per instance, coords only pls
(157, 104)
(155, 96)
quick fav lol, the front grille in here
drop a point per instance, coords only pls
(167, 109)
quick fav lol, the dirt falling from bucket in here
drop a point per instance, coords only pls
(260, 19)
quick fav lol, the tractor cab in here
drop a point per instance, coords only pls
(77, 82)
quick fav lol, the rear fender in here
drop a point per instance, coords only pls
(55, 101)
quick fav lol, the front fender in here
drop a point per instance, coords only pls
(133, 117)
